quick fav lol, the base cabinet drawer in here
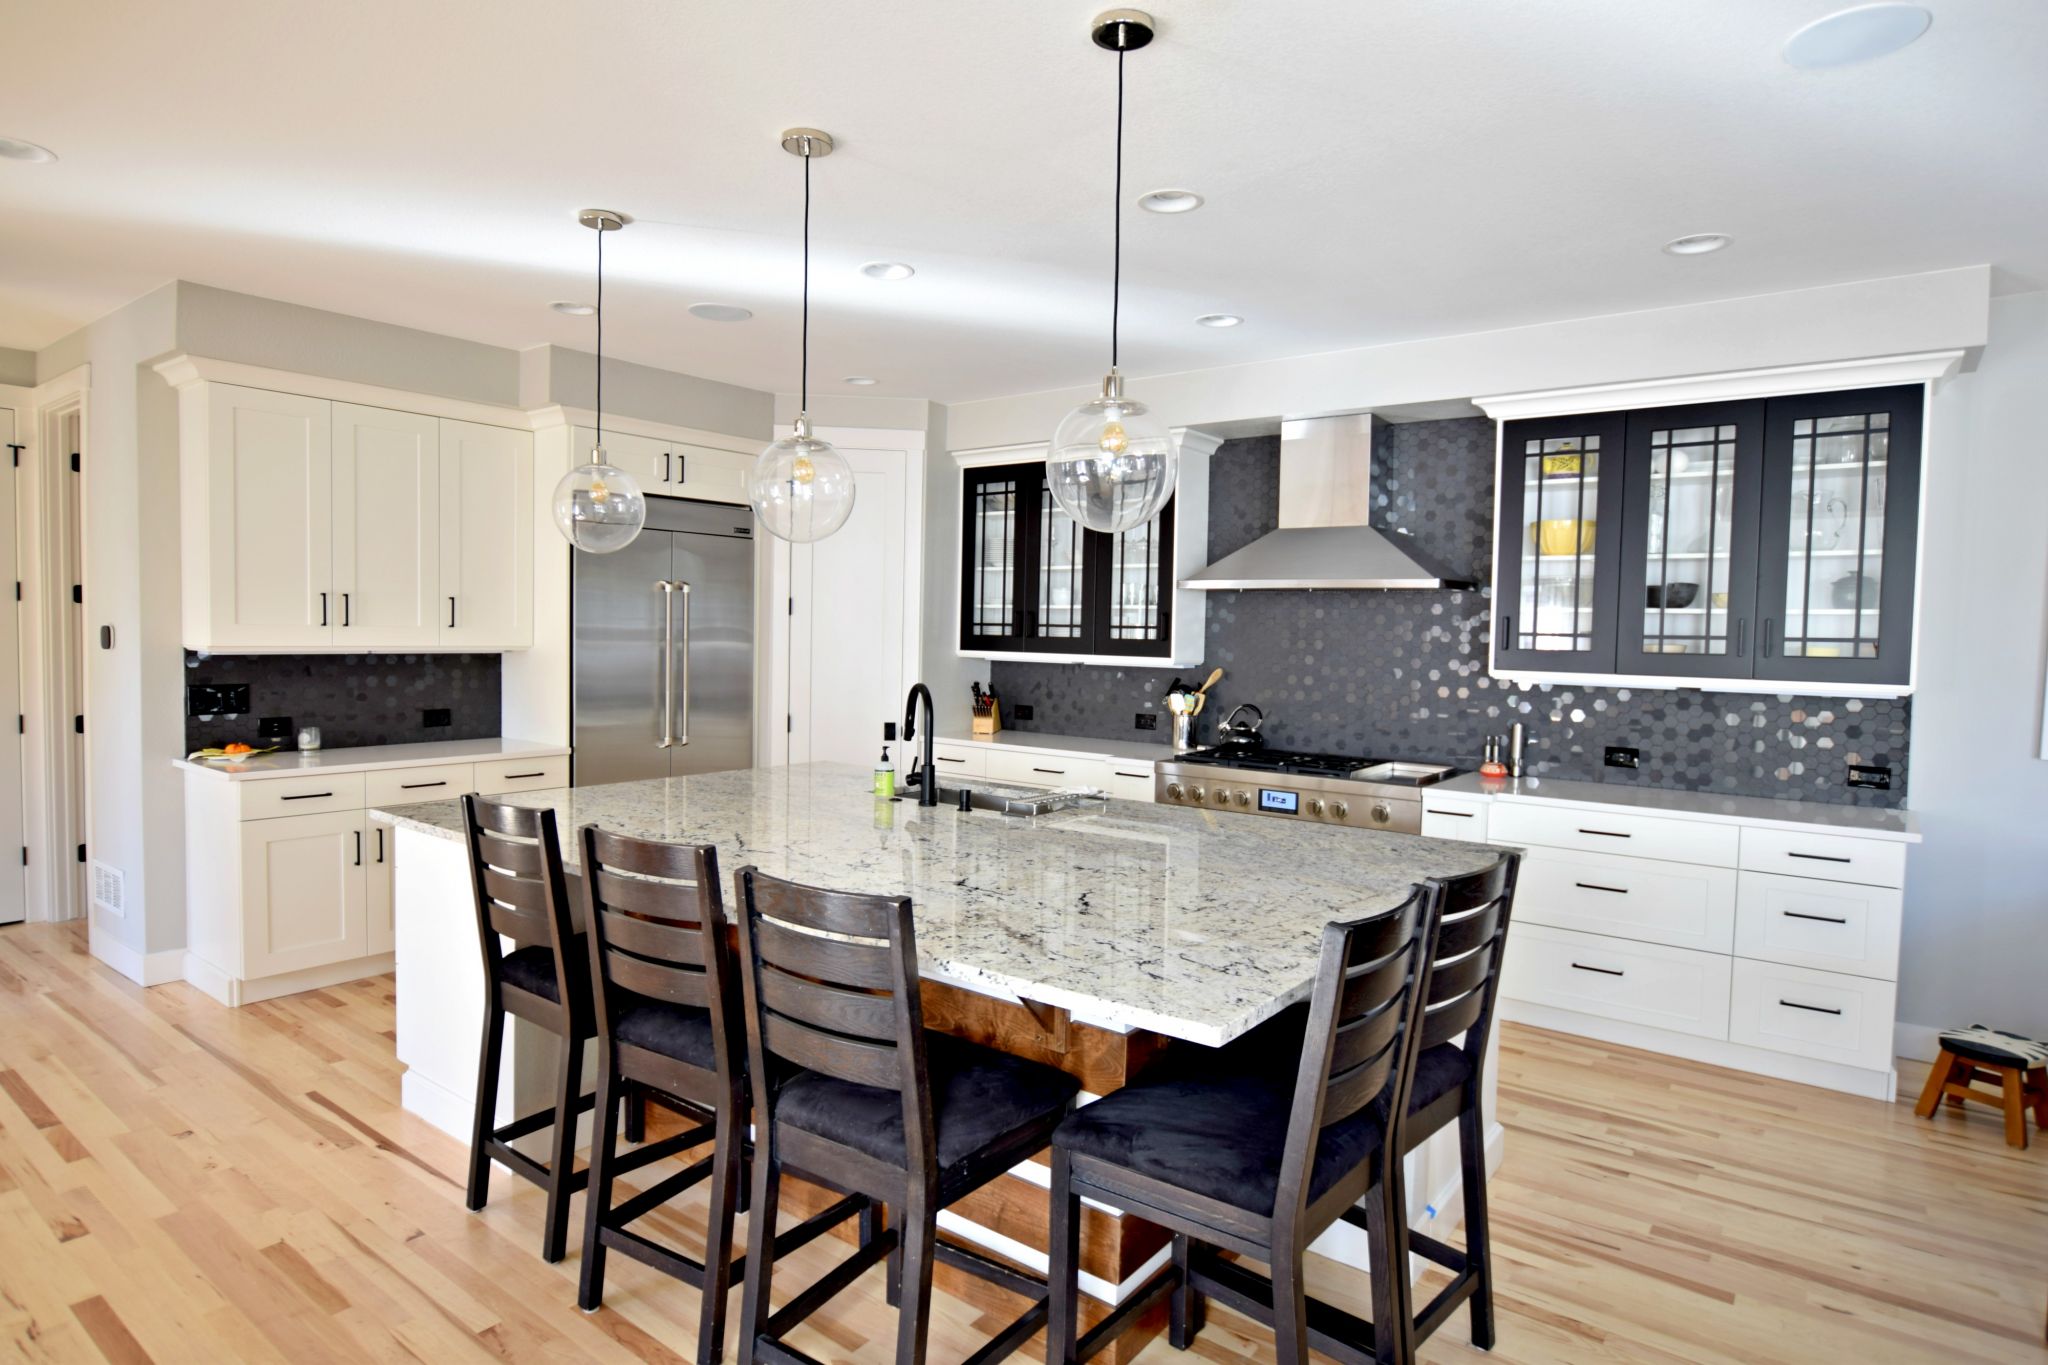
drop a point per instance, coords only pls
(1592, 831)
(1643, 983)
(1831, 926)
(1824, 1015)
(406, 786)
(1043, 770)
(969, 760)
(1681, 904)
(1835, 857)
(502, 775)
(270, 797)
(1127, 781)
(1449, 817)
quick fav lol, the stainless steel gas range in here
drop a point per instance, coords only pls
(1330, 789)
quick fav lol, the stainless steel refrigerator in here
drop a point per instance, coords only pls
(662, 659)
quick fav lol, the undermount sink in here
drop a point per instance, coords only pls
(1017, 801)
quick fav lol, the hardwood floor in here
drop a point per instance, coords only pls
(183, 1182)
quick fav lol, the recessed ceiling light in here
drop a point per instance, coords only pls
(1219, 319)
(14, 149)
(861, 381)
(574, 310)
(1862, 34)
(887, 270)
(720, 312)
(1170, 201)
(1698, 244)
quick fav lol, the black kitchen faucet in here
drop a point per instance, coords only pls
(927, 780)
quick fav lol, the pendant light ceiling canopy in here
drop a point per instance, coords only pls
(1112, 464)
(599, 507)
(801, 487)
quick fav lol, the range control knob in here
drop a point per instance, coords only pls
(1338, 810)
(1173, 791)
(1315, 805)
(1242, 798)
(1222, 797)
(1381, 813)
(1195, 794)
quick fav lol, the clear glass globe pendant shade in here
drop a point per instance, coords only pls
(801, 487)
(1112, 464)
(599, 507)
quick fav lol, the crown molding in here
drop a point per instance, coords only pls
(1922, 367)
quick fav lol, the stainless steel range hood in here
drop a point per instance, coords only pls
(1324, 540)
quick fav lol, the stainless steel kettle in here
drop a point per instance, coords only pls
(1234, 731)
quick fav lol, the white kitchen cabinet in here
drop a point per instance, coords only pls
(712, 475)
(387, 529)
(1453, 817)
(256, 488)
(304, 892)
(380, 922)
(651, 462)
(672, 469)
(486, 541)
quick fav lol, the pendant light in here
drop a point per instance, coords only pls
(1112, 464)
(801, 487)
(599, 507)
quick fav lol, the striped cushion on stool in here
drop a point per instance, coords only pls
(1995, 1047)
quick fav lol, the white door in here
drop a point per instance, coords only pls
(853, 626)
(271, 484)
(379, 928)
(387, 528)
(13, 900)
(304, 892)
(651, 462)
(486, 590)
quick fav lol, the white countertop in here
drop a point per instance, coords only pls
(1079, 746)
(1869, 822)
(1191, 923)
(292, 763)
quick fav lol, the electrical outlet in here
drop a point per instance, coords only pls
(1020, 712)
(216, 699)
(1147, 720)
(275, 727)
(435, 717)
(1619, 756)
(1876, 777)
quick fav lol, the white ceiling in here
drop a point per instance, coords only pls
(1374, 171)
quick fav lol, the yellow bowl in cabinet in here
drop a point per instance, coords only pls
(1562, 464)
(1563, 537)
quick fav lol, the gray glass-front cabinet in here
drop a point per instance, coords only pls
(1767, 539)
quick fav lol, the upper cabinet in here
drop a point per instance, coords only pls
(1034, 584)
(317, 526)
(673, 469)
(1761, 541)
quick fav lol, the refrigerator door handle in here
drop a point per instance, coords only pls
(684, 737)
(668, 662)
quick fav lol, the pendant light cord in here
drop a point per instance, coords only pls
(803, 402)
(1116, 269)
(600, 334)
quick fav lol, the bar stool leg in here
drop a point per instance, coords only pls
(597, 1194)
(725, 1193)
(562, 1165)
(1063, 1269)
(1187, 1305)
(492, 1053)
(760, 1273)
(1391, 1292)
(913, 1315)
(1478, 1244)
(634, 1098)
(1290, 1308)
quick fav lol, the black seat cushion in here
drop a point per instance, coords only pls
(1996, 1047)
(979, 1097)
(532, 969)
(677, 1031)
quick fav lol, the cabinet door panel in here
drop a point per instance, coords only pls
(1690, 495)
(380, 926)
(992, 568)
(303, 892)
(1557, 558)
(1128, 580)
(709, 474)
(1839, 530)
(486, 590)
(651, 462)
(387, 528)
(270, 483)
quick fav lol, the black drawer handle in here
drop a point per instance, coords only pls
(1595, 886)
(306, 796)
(1815, 1009)
(1607, 833)
(1459, 814)
(1824, 919)
(380, 843)
(515, 777)
(415, 786)
(1132, 774)
(1604, 971)
(1820, 857)
(1056, 772)
(359, 848)
(943, 759)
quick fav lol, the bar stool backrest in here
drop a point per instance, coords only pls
(1464, 973)
(515, 867)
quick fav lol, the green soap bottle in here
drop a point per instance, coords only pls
(885, 767)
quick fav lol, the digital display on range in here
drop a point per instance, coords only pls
(1286, 803)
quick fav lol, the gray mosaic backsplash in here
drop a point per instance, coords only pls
(1403, 674)
(355, 699)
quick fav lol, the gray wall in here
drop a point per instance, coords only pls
(17, 367)
(570, 378)
(1977, 890)
(1403, 674)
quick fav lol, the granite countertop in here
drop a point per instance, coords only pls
(1867, 821)
(296, 763)
(1191, 923)
(1147, 751)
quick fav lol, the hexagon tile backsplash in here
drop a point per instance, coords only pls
(355, 699)
(1403, 674)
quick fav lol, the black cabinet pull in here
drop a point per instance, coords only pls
(451, 613)
(1595, 886)
(306, 796)
(943, 759)
(1506, 638)
(380, 843)
(664, 466)
(1820, 857)
(359, 848)
(682, 469)
(1607, 833)
(1458, 814)
(344, 609)
(515, 777)
(1056, 772)
(1131, 774)
(1604, 971)
(1814, 1009)
(1824, 919)
(415, 786)
(1767, 643)
(323, 608)
(1741, 637)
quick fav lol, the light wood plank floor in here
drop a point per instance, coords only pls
(183, 1182)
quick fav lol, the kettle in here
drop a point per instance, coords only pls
(1240, 733)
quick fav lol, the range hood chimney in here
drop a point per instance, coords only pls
(1324, 540)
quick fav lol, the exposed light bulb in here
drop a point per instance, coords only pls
(1115, 440)
(803, 471)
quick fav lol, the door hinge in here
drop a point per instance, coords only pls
(78, 724)
(20, 724)
(789, 725)
(78, 593)
(24, 855)
(17, 589)
(792, 606)
(16, 450)
(74, 462)
(81, 853)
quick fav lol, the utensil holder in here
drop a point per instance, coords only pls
(1183, 734)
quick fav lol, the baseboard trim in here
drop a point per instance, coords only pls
(144, 969)
(233, 991)
(1916, 1041)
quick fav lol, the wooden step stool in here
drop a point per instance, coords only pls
(2019, 1066)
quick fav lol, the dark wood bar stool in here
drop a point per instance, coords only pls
(664, 994)
(515, 864)
(868, 1102)
(1259, 1161)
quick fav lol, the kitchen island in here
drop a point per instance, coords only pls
(1088, 938)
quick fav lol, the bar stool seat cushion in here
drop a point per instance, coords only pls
(532, 969)
(678, 1031)
(1995, 1047)
(979, 1096)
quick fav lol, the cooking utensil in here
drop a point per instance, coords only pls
(1214, 675)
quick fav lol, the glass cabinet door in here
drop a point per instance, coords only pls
(1560, 532)
(1689, 532)
(1131, 576)
(1841, 506)
(990, 569)
(1054, 608)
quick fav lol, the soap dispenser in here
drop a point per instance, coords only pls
(885, 767)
